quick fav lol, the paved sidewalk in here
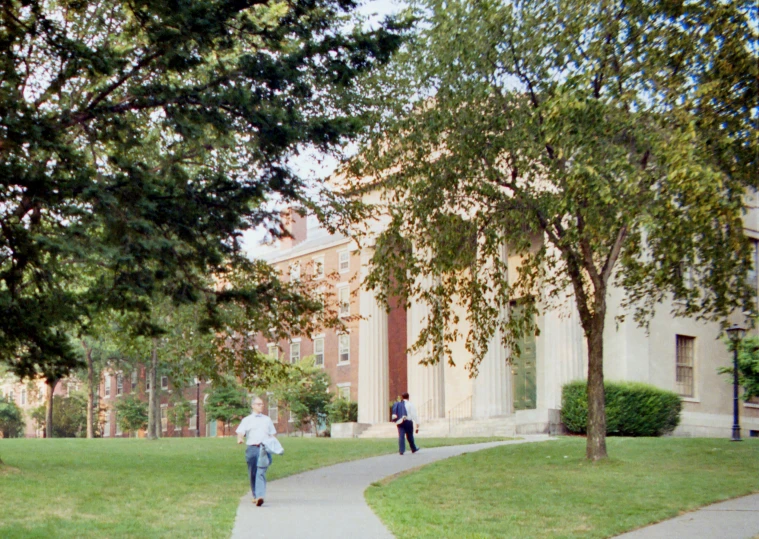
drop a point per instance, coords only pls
(733, 519)
(329, 502)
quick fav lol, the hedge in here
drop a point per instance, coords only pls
(632, 409)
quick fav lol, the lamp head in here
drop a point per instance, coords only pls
(736, 333)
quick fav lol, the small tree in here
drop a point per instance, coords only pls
(305, 390)
(179, 413)
(227, 402)
(748, 367)
(11, 419)
(70, 416)
(131, 414)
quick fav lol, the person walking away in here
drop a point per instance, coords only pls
(406, 419)
(254, 430)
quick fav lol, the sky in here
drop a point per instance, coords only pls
(311, 164)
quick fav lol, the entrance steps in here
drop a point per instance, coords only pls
(502, 426)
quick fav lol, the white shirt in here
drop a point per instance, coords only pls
(256, 428)
(411, 411)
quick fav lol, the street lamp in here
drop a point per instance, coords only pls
(736, 334)
(197, 410)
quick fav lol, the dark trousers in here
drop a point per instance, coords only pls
(406, 430)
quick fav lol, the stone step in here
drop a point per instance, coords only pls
(442, 428)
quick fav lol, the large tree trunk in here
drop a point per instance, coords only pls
(49, 408)
(596, 443)
(154, 413)
(90, 392)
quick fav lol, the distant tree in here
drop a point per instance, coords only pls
(11, 419)
(69, 416)
(305, 392)
(179, 413)
(227, 402)
(131, 414)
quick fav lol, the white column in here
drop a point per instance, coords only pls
(373, 367)
(491, 394)
(491, 390)
(565, 350)
(426, 383)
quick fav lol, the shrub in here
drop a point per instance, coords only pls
(632, 409)
(11, 419)
(342, 411)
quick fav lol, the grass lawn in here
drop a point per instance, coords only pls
(549, 490)
(136, 488)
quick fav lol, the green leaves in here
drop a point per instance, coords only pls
(138, 139)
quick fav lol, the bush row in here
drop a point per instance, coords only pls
(632, 409)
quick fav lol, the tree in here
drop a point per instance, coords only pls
(227, 402)
(69, 416)
(11, 419)
(305, 391)
(595, 144)
(142, 138)
(748, 367)
(179, 413)
(131, 414)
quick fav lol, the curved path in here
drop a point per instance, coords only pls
(329, 502)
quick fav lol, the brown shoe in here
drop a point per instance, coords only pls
(259, 502)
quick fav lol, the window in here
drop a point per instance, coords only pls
(107, 385)
(344, 347)
(193, 424)
(147, 381)
(273, 351)
(684, 350)
(344, 301)
(134, 380)
(294, 352)
(164, 382)
(344, 391)
(118, 426)
(318, 267)
(164, 417)
(319, 351)
(107, 425)
(119, 384)
(23, 397)
(344, 261)
(273, 407)
(295, 271)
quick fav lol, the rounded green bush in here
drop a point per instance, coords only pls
(632, 409)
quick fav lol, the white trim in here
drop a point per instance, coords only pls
(289, 255)
(296, 339)
(343, 385)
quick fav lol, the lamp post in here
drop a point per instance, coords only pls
(197, 410)
(735, 333)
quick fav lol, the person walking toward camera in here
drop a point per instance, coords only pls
(406, 419)
(257, 431)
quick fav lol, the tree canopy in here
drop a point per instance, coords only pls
(602, 144)
(139, 138)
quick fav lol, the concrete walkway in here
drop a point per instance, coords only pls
(329, 502)
(733, 519)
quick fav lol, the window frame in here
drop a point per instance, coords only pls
(347, 261)
(343, 307)
(685, 348)
(341, 351)
(294, 345)
(319, 339)
(318, 269)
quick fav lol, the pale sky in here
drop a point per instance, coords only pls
(310, 164)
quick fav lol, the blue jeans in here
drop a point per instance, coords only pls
(406, 430)
(258, 462)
